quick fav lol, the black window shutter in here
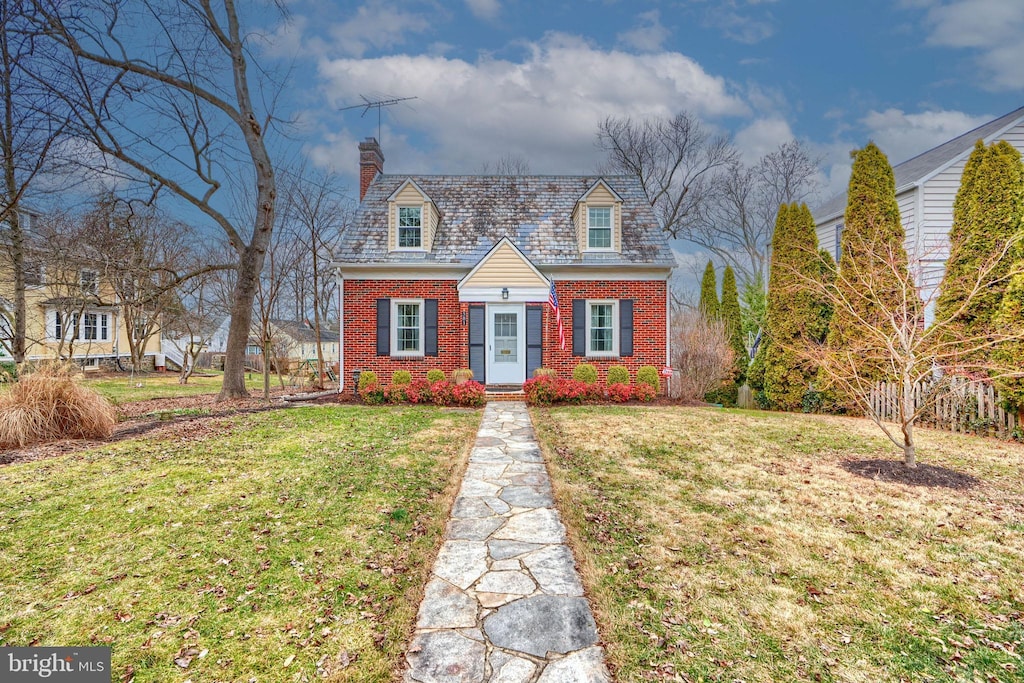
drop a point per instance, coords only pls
(383, 327)
(477, 357)
(625, 327)
(430, 327)
(534, 339)
(579, 327)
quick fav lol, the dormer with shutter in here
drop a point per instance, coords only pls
(597, 218)
(412, 219)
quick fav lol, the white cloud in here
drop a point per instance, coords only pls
(992, 28)
(545, 107)
(762, 136)
(484, 9)
(739, 23)
(901, 135)
(377, 24)
(648, 35)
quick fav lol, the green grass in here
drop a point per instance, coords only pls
(280, 546)
(732, 546)
(126, 388)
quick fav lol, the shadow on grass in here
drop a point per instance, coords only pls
(894, 471)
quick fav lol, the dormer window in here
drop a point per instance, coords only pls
(410, 227)
(599, 227)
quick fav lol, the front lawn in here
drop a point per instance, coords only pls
(740, 546)
(285, 545)
(126, 387)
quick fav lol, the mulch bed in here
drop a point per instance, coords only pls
(894, 471)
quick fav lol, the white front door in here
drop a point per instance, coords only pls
(506, 344)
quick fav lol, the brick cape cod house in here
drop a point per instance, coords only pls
(451, 272)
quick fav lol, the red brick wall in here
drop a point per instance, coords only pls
(360, 319)
(648, 324)
(361, 327)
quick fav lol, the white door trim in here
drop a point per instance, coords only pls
(506, 372)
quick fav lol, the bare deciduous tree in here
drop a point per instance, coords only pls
(738, 225)
(701, 354)
(508, 164)
(317, 215)
(676, 159)
(164, 88)
(893, 345)
(31, 124)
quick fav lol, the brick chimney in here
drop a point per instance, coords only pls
(371, 163)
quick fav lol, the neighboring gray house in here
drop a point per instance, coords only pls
(926, 186)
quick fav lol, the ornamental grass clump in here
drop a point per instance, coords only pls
(47, 405)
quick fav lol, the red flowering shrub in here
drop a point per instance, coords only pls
(372, 394)
(541, 390)
(619, 392)
(396, 393)
(469, 393)
(644, 392)
(418, 391)
(442, 393)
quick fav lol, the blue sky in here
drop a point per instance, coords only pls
(494, 77)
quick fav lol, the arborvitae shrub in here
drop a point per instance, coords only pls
(618, 374)
(709, 293)
(585, 372)
(367, 378)
(648, 375)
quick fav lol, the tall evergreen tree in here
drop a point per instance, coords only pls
(874, 276)
(709, 293)
(733, 322)
(985, 241)
(794, 309)
(1011, 353)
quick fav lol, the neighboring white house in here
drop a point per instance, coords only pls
(926, 186)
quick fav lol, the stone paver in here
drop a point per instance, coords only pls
(505, 604)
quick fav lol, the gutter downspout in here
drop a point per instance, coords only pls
(341, 331)
(668, 332)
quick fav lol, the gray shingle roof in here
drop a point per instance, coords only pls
(917, 168)
(535, 212)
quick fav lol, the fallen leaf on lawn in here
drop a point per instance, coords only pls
(288, 660)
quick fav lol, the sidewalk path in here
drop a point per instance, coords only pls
(504, 603)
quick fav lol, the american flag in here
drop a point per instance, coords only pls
(553, 302)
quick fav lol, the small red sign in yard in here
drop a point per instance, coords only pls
(666, 372)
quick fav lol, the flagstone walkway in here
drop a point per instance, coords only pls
(504, 603)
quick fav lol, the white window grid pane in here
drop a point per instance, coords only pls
(600, 217)
(408, 327)
(600, 238)
(601, 330)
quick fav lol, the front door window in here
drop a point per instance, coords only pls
(506, 340)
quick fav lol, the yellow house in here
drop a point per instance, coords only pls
(71, 313)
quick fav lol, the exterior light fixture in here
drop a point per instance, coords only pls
(504, 293)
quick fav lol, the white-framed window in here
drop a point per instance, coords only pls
(6, 336)
(89, 326)
(602, 328)
(599, 227)
(410, 227)
(89, 280)
(839, 241)
(407, 327)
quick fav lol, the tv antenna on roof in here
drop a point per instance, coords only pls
(367, 105)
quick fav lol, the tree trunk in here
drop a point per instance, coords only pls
(908, 412)
(249, 266)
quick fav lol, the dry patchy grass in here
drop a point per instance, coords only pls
(286, 545)
(743, 546)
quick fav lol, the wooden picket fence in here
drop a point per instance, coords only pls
(964, 406)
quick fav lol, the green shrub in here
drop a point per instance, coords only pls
(401, 377)
(435, 375)
(367, 378)
(618, 374)
(8, 371)
(648, 375)
(585, 372)
(724, 394)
